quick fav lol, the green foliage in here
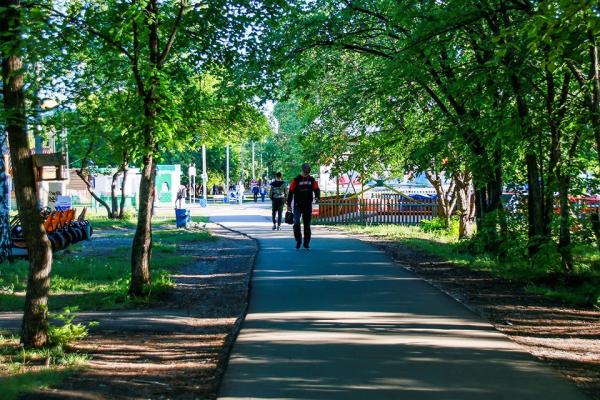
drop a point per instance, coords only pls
(439, 224)
(66, 332)
(23, 370)
(499, 94)
(19, 383)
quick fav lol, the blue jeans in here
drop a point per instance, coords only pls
(304, 213)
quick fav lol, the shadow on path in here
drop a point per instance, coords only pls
(341, 321)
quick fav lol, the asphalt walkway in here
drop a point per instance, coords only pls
(342, 321)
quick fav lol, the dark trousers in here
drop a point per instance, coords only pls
(277, 209)
(304, 213)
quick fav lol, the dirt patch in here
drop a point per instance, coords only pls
(565, 337)
(175, 351)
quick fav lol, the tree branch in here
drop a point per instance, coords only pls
(92, 30)
(163, 55)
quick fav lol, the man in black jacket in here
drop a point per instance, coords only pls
(277, 194)
(301, 192)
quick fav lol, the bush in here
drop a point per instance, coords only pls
(439, 225)
(68, 332)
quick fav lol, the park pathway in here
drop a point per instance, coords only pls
(342, 321)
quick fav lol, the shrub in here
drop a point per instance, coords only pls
(439, 225)
(68, 332)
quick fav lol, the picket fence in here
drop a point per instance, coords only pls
(397, 210)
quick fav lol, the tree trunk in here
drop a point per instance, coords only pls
(34, 328)
(535, 205)
(122, 205)
(446, 199)
(535, 199)
(488, 208)
(5, 245)
(564, 243)
(141, 250)
(113, 194)
(465, 204)
(595, 92)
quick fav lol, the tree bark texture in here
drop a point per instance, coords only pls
(34, 329)
(465, 204)
(564, 243)
(114, 203)
(535, 197)
(488, 205)
(5, 245)
(141, 250)
(122, 205)
(595, 95)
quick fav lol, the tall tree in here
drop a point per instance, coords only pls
(34, 325)
(195, 37)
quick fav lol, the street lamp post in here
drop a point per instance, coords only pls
(253, 169)
(204, 174)
(227, 172)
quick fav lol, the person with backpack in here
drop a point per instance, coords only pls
(278, 194)
(301, 192)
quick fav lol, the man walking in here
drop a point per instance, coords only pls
(301, 192)
(277, 194)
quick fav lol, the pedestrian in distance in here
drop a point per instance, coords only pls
(263, 192)
(301, 193)
(240, 192)
(255, 192)
(278, 194)
(181, 195)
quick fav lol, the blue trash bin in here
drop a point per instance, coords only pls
(182, 217)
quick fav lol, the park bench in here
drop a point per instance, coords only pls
(217, 198)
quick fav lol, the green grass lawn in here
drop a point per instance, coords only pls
(23, 370)
(102, 223)
(101, 282)
(88, 282)
(541, 275)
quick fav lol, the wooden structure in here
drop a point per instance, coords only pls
(391, 209)
(51, 167)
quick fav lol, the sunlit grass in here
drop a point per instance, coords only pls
(23, 370)
(102, 281)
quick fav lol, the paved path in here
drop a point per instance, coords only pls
(341, 321)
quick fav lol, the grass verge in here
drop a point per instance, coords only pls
(541, 275)
(92, 281)
(23, 371)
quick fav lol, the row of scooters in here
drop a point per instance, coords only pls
(63, 228)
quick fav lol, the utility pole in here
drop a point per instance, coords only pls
(242, 162)
(204, 175)
(253, 169)
(227, 172)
